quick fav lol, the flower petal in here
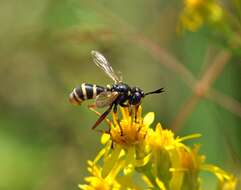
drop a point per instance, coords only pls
(105, 138)
(160, 184)
(142, 162)
(149, 118)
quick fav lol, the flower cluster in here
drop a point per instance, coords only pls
(198, 12)
(135, 156)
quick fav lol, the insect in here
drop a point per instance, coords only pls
(119, 94)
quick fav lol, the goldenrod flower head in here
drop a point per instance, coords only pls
(130, 130)
(162, 160)
(165, 138)
(97, 182)
(161, 138)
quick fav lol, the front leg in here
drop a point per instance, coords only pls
(115, 108)
(136, 110)
(119, 101)
(117, 118)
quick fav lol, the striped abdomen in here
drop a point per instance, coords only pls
(85, 92)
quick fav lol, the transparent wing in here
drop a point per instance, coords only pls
(102, 62)
(105, 99)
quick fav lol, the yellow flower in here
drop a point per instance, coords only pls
(166, 156)
(197, 12)
(191, 160)
(226, 181)
(190, 167)
(130, 130)
(97, 181)
(230, 184)
(125, 145)
(161, 138)
(194, 4)
(127, 139)
(155, 155)
(164, 138)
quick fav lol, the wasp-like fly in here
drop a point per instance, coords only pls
(117, 94)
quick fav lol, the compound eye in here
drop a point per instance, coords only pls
(138, 96)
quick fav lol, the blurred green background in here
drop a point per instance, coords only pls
(45, 52)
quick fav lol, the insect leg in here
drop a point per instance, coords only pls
(136, 110)
(112, 145)
(117, 118)
(102, 117)
(115, 108)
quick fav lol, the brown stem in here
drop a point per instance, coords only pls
(225, 101)
(215, 68)
(201, 88)
(184, 112)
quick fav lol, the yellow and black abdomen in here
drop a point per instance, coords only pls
(85, 92)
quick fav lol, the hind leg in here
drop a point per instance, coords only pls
(102, 117)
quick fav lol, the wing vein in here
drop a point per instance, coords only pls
(102, 63)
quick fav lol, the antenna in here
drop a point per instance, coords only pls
(158, 91)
